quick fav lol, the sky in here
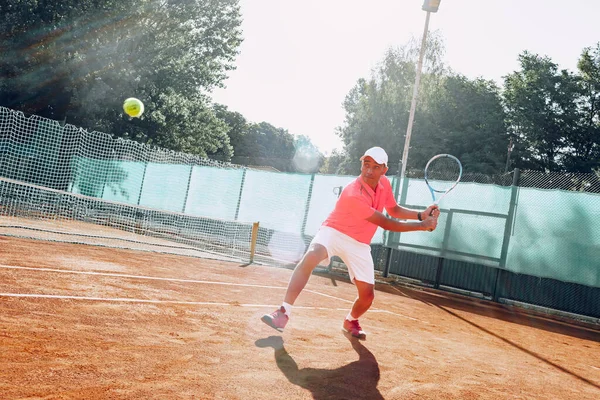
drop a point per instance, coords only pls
(299, 59)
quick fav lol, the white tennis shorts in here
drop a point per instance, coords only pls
(356, 255)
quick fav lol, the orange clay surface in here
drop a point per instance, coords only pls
(84, 322)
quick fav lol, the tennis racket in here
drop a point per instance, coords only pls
(442, 174)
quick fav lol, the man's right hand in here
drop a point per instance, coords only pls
(430, 223)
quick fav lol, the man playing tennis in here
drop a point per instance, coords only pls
(347, 233)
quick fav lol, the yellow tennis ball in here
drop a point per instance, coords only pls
(133, 107)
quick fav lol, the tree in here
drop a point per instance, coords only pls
(331, 164)
(266, 145)
(465, 118)
(79, 60)
(377, 111)
(307, 157)
(237, 129)
(583, 154)
(263, 145)
(454, 115)
(542, 112)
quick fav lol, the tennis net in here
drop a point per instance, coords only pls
(32, 211)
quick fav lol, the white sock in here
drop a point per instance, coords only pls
(288, 308)
(349, 317)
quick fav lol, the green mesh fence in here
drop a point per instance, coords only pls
(222, 199)
(547, 233)
(556, 234)
(124, 181)
(159, 177)
(276, 200)
(471, 224)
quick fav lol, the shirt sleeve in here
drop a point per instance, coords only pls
(359, 207)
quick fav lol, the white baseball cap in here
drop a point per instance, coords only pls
(378, 154)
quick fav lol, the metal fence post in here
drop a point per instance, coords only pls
(307, 205)
(187, 192)
(394, 237)
(500, 276)
(237, 210)
(440, 266)
(142, 185)
(388, 262)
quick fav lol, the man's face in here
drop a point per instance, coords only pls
(371, 171)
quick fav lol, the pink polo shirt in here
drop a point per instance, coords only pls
(358, 202)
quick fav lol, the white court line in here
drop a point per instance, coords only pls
(62, 271)
(131, 300)
(326, 295)
(195, 303)
(154, 278)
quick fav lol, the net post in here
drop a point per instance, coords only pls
(253, 241)
(507, 230)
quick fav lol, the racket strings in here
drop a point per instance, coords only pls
(442, 173)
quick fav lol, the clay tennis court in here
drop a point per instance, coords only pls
(86, 322)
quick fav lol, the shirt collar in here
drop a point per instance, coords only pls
(368, 188)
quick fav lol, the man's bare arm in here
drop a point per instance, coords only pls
(428, 224)
(408, 213)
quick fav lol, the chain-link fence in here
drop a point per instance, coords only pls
(492, 226)
(570, 181)
(527, 236)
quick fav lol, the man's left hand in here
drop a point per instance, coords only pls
(431, 210)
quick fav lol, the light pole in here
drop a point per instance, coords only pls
(429, 6)
(511, 146)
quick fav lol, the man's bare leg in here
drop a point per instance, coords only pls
(366, 294)
(278, 319)
(315, 254)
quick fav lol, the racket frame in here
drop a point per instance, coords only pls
(444, 192)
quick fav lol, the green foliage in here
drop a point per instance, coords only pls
(307, 157)
(237, 129)
(331, 165)
(553, 115)
(585, 145)
(465, 118)
(78, 61)
(262, 144)
(454, 115)
(376, 111)
(265, 145)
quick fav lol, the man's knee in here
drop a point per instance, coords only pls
(368, 295)
(314, 255)
(366, 291)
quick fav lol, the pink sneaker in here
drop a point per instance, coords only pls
(277, 319)
(353, 327)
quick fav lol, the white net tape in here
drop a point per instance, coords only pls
(28, 210)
